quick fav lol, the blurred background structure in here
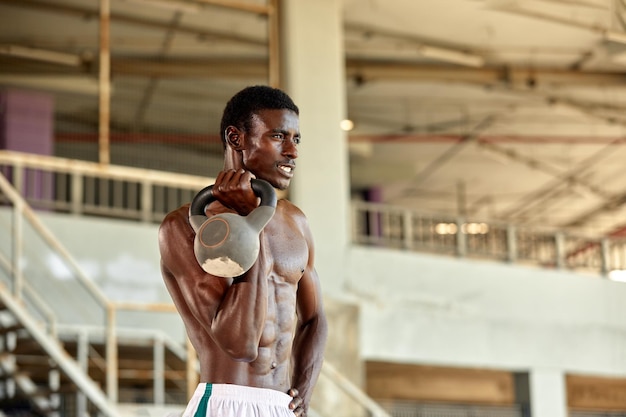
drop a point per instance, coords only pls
(461, 166)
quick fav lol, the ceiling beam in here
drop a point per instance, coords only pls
(93, 12)
(562, 182)
(421, 46)
(365, 71)
(192, 68)
(606, 206)
(238, 5)
(44, 55)
(453, 150)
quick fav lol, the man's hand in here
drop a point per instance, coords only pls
(297, 403)
(233, 189)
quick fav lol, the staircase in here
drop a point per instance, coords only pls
(44, 375)
(37, 372)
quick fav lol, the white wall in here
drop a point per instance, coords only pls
(440, 310)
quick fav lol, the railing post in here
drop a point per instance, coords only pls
(54, 384)
(375, 224)
(461, 238)
(18, 236)
(559, 243)
(18, 179)
(407, 223)
(605, 257)
(82, 357)
(77, 193)
(111, 353)
(355, 224)
(146, 201)
(159, 371)
(18, 231)
(511, 243)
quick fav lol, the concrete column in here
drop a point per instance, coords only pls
(548, 394)
(312, 73)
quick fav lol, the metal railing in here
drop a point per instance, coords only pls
(394, 227)
(81, 187)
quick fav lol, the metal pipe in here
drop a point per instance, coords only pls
(111, 354)
(104, 93)
(273, 44)
(158, 364)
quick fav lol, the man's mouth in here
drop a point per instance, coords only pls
(287, 169)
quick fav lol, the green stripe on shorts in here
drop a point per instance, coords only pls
(204, 402)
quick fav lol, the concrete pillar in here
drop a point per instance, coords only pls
(312, 73)
(548, 394)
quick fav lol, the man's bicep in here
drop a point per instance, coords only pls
(309, 296)
(309, 288)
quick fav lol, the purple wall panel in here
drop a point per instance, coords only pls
(27, 125)
(28, 122)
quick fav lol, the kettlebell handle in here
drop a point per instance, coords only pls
(261, 188)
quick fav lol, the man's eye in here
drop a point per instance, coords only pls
(296, 140)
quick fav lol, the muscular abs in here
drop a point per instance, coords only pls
(282, 260)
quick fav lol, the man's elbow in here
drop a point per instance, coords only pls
(318, 325)
(323, 328)
(242, 352)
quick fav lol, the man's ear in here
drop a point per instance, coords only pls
(234, 137)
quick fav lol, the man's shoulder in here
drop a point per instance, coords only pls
(290, 209)
(175, 217)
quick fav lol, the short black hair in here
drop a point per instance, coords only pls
(240, 108)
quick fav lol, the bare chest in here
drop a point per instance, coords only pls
(285, 250)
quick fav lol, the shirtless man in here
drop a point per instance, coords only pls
(259, 337)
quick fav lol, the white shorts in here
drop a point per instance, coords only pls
(227, 400)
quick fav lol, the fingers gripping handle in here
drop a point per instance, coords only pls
(227, 244)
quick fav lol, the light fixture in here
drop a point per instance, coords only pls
(617, 275)
(446, 228)
(615, 45)
(466, 228)
(79, 84)
(346, 125)
(176, 5)
(44, 55)
(451, 55)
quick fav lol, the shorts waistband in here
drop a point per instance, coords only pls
(244, 393)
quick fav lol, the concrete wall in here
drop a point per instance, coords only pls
(419, 308)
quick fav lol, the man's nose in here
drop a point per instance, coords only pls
(290, 148)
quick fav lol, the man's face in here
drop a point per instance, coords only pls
(270, 147)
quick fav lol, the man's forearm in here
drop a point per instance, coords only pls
(308, 356)
(240, 320)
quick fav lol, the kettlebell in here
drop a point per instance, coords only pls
(227, 245)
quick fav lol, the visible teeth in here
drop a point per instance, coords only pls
(286, 169)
